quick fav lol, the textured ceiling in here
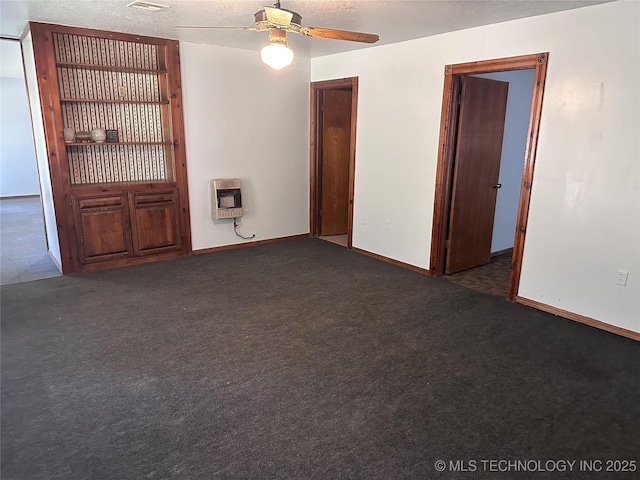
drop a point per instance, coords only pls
(393, 20)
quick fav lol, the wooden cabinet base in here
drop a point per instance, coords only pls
(91, 267)
(128, 226)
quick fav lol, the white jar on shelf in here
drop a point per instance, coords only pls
(98, 135)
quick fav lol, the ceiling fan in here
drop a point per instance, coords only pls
(278, 21)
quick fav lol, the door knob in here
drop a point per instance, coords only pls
(497, 185)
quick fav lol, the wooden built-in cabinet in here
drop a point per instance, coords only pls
(123, 200)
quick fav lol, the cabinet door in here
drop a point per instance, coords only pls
(102, 226)
(155, 221)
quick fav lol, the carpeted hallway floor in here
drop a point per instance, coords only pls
(23, 246)
(299, 360)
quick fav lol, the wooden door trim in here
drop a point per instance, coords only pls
(49, 96)
(178, 136)
(314, 164)
(448, 127)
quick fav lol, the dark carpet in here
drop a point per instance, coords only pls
(300, 360)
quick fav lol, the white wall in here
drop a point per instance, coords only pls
(584, 221)
(512, 158)
(244, 120)
(18, 172)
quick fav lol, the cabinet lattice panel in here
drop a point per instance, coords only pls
(79, 49)
(116, 163)
(114, 85)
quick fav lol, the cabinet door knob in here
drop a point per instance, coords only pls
(497, 185)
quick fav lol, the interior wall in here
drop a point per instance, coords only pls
(18, 172)
(584, 221)
(512, 158)
(46, 191)
(244, 120)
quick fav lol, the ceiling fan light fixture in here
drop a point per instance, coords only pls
(277, 55)
(280, 21)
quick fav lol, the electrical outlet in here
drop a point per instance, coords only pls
(621, 280)
(387, 225)
(364, 219)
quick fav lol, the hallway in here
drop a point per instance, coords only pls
(23, 248)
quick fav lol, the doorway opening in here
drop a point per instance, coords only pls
(466, 178)
(332, 159)
(24, 244)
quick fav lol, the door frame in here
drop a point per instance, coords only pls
(446, 151)
(315, 189)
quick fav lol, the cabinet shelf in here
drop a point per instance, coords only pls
(91, 66)
(91, 144)
(98, 100)
(90, 189)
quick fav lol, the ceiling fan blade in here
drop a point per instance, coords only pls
(221, 28)
(339, 34)
(278, 16)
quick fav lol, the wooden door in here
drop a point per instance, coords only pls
(154, 221)
(476, 170)
(336, 134)
(102, 226)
